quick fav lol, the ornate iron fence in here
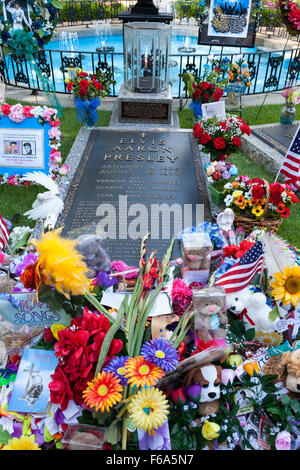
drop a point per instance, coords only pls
(269, 71)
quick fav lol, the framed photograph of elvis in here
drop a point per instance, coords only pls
(228, 23)
(17, 14)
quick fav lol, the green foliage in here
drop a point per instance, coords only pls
(4, 436)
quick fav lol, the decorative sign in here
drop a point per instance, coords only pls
(209, 110)
(31, 312)
(22, 148)
(145, 111)
(229, 23)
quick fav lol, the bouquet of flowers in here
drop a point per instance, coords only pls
(217, 172)
(236, 73)
(87, 90)
(291, 97)
(220, 137)
(248, 197)
(290, 16)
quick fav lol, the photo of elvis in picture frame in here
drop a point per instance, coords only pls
(17, 13)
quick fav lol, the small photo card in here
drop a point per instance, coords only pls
(217, 108)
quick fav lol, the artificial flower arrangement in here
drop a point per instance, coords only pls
(45, 115)
(248, 197)
(290, 16)
(234, 72)
(110, 371)
(220, 137)
(291, 97)
(218, 172)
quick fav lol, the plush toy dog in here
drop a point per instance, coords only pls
(208, 376)
(252, 309)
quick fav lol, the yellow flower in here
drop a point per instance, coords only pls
(210, 430)
(268, 339)
(60, 264)
(257, 211)
(103, 392)
(237, 193)
(22, 443)
(286, 286)
(251, 367)
(148, 409)
(55, 328)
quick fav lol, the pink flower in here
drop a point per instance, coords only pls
(16, 113)
(54, 133)
(283, 441)
(49, 113)
(55, 157)
(64, 170)
(5, 108)
(27, 111)
(181, 296)
(287, 92)
(55, 123)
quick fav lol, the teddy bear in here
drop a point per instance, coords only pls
(209, 305)
(95, 257)
(287, 368)
(208, 376)
(251, 308)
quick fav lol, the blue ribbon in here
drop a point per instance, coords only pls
(197, 109)
(87, 110)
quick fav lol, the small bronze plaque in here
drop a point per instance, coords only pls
(146, 111)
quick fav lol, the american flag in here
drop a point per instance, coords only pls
(290, 167)
(4, 233)
(241, 273)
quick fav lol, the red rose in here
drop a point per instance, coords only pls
(204, 85)
(294, 199)
(48, 335)
(78, 388)
(204, 138)
(196, 94)
(257, 191)
(5, 108)
(217, 175)
(245, 246)
(71, 343)
(211, 86)
(93, 322)
(245, 129)
(219, 143)
(60, 390)
(219, 91)
(230, 250)
(197, 130)
(178, 396)
(216, 97)
(84, 84)
(83, 74)
(236, 141)
(275, 193)
(70, 86)
(206, 96)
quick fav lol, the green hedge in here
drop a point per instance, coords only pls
(79, 12)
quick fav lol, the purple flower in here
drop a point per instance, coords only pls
(193, 392)
(28, 259)
(116, 365)
(105, 281)
(160, 440)
(160, 352)
(226, 175)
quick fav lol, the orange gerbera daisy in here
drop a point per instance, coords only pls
(240, 201)
(254, 202)
(141, 372)
(281, 207)
(235, 184)
(103, 392)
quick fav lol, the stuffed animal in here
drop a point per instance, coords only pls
(252, 309)
(95, 256)
(209, 306)
(208, 376)
(287, 368)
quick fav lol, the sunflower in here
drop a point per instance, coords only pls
(22, 443)
(141, 372)
(286, 286)
(103, 392)
(257, 211)
(148, 409)
(60, 264)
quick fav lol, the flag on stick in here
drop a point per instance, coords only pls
(241, 273)
(4, 233)
(290, 167)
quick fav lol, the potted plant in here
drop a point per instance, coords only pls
(256, 202)
(217, 174)
(88, 90)
(288, 112)
(220, 137)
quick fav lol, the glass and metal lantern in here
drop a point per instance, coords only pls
(147, 49)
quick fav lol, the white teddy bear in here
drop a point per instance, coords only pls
(252, 309)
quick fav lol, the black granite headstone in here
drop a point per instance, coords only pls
(277, 136)
(134, 174)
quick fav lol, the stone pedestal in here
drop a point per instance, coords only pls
(153, 108)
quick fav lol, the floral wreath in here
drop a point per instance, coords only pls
(17, 113)
(29, 39)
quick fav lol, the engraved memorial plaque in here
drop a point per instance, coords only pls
(129, 183)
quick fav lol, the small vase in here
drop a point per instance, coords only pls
(87, 111)
(288, 115)
(216, 195)
(197, 109)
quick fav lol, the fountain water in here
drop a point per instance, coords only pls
(102, 32)
(68, 41)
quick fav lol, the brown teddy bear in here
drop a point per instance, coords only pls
(287, 368)
(209, 304)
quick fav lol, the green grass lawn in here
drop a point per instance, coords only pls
(18, 199)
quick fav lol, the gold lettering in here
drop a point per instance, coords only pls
(117, 148)
(106, 156)
(123, 140)
(129, 148)
(141, 148)
(172, 158)
(149, 159)
(160, 158)
(152, 148)
(128, 156)
(140, 158)
(118, 156)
